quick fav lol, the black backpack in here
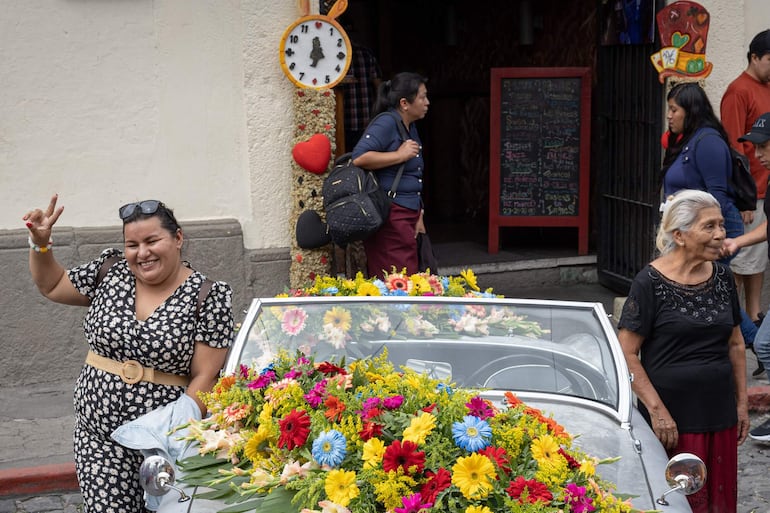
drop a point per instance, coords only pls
(355, 204)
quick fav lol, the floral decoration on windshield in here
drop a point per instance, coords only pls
(326, 437)
(304, 327)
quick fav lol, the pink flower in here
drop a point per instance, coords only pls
(293, 321)
(393, 402)
(262, 381)
(413, 504)
(316, 396)
(479, 408)
(575, 498)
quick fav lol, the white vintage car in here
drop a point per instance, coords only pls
(560, 357)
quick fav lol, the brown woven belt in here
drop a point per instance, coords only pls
(132, 371)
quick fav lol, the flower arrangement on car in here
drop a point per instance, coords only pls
(308, 327)
(305, 436)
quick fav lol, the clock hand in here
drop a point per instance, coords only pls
(317, 53)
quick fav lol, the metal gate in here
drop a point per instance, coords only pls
(629, 123)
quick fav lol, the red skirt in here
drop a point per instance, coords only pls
(394, 244)
(719, 451)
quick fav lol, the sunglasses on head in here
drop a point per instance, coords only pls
(145, 207)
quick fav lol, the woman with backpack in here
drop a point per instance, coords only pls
(698, 152)
(383, 150)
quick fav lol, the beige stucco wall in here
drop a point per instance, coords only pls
(110, 102)
(733, 24)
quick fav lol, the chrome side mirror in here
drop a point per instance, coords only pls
(157, 477)
(685, 472)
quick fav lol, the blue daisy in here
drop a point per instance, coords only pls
(472, 434)
(329, 448)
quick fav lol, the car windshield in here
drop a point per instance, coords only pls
(544, 347)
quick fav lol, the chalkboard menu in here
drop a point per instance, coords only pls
(539, 151)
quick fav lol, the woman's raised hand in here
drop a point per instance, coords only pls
(40, 222)
(409, 149)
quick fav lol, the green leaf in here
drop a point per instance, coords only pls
(200, 461)
(278, 501)
(215, 494)
(243, 506)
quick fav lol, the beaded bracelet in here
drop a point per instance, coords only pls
(39, 249)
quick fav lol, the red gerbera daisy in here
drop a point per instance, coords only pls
(370, 430)
(294, 429)
(437, 481)
(531, 489)
(404, 455)
(330, 368)
(499, 456)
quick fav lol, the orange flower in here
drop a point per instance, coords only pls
(513, 401)
(334, 408)
(224, 384)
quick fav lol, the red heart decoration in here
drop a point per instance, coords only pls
(315, 81)
(301, 127)
(318, 24)
(300, 93)
(313, 155)
(315, 111)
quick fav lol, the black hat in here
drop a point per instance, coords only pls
(312, 232)
(760, 130)
(760, 45)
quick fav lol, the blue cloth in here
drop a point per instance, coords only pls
(382, 135)
(703, 164)
(762, 344)
(748, 329)
(151, 433)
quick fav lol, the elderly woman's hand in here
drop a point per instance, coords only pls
(665, 429)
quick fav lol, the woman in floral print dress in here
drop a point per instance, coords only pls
(143, 311)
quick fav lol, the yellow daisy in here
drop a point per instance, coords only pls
(473, 475)
(477, 509)
(340, 486)
(545, 448)
(339, 318)
(419, 428)
(470, 279)
(373, 450)
(368, 289)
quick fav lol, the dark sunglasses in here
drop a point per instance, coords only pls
(145, 207)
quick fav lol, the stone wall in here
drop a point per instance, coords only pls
(42, 342)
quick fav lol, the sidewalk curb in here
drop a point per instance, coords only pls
(38, 480)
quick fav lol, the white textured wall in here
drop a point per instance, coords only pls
(733, 24)
(112, 101)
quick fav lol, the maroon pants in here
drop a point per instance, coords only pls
(719, 451)
(393, 245)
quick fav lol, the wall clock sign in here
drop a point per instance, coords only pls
(315, 52)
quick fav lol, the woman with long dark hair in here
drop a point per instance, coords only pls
(698, 152)
(382, 149)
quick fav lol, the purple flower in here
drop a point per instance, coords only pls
(412, 504)
(293, 374)
(316, 395)
(479, 408)
(393, 402)
(575, 497)
(262, 381)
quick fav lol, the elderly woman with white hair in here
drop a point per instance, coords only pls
(680, 335)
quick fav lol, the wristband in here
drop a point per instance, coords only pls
(39, 249)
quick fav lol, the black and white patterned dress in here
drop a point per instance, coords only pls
(108, 473)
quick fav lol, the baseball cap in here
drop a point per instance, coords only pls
(760, 45)
(760, 130)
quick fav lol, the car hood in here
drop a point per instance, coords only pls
(639, 473)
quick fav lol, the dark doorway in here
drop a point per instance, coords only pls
(455, 44)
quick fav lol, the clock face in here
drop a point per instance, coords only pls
(315, 52)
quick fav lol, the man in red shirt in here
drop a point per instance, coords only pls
(746, 98)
